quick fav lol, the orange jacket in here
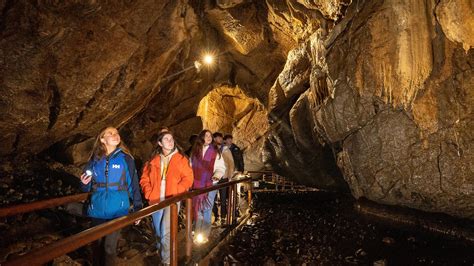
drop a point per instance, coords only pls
(179, 177)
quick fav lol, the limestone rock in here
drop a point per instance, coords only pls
(74, 68)
(330, 9)
(457, 20)
(381, 89)
(390, 95)
(228, 3)
(243, 31)
(397, 151)
(291, 22)
(295, 76)
(230, 111)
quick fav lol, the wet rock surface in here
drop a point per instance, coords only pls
(323, 228)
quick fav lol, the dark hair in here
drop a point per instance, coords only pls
(99, 150)
(217, 134)
(228, 136)
(192, 139)
(158, 149)
(197, 147)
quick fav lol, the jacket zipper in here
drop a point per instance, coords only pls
(106, 178)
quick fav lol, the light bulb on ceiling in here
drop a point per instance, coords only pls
(208, 59)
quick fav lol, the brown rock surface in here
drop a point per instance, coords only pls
(229, 111)
(456, 17)
(386, 87)
(393, 98)
(71, 68)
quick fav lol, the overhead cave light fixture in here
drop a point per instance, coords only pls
(207, 59)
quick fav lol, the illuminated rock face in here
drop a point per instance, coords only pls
(375, 96)
(393, 97)
(456, 18)
(229, 111)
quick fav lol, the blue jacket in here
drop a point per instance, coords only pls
(122, 175)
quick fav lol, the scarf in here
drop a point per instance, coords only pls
(203, 169)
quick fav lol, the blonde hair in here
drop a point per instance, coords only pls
(99, 150)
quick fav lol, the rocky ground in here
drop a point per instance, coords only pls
(323, 228)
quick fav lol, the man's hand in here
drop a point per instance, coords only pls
(86, 179)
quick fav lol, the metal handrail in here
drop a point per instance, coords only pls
(42, 204)
(259, 172)
(66, 245)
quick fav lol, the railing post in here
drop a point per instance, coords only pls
(174, 235)
(234, 203)
(277, 179)
(189, 228)
(250, 193)
(229, 205)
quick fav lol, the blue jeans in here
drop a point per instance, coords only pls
(203, 220)
(161, 223)
(223, 201)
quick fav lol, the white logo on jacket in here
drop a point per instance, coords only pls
(116, 166)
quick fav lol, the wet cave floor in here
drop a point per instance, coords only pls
(320, 228)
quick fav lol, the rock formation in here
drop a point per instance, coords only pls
(373, 96)
(393, 96)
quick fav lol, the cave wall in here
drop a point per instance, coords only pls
(70, 68)
(372, 96)
(229, 110)
(391, 90)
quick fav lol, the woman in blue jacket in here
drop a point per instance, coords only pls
(112, 178)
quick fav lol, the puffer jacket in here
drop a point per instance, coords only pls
(121, 175)
(179, 177)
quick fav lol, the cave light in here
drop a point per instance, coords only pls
(200, 239)
(208, 59)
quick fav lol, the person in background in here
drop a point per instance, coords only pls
(192, 140)
(237, 153)
(208, 168)
(112, 178)
(163, 129)
(238, 157)
(229, 171)
(166, 174)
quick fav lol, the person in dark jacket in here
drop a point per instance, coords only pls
(112, 178)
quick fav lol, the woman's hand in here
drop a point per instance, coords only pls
(86, 179)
